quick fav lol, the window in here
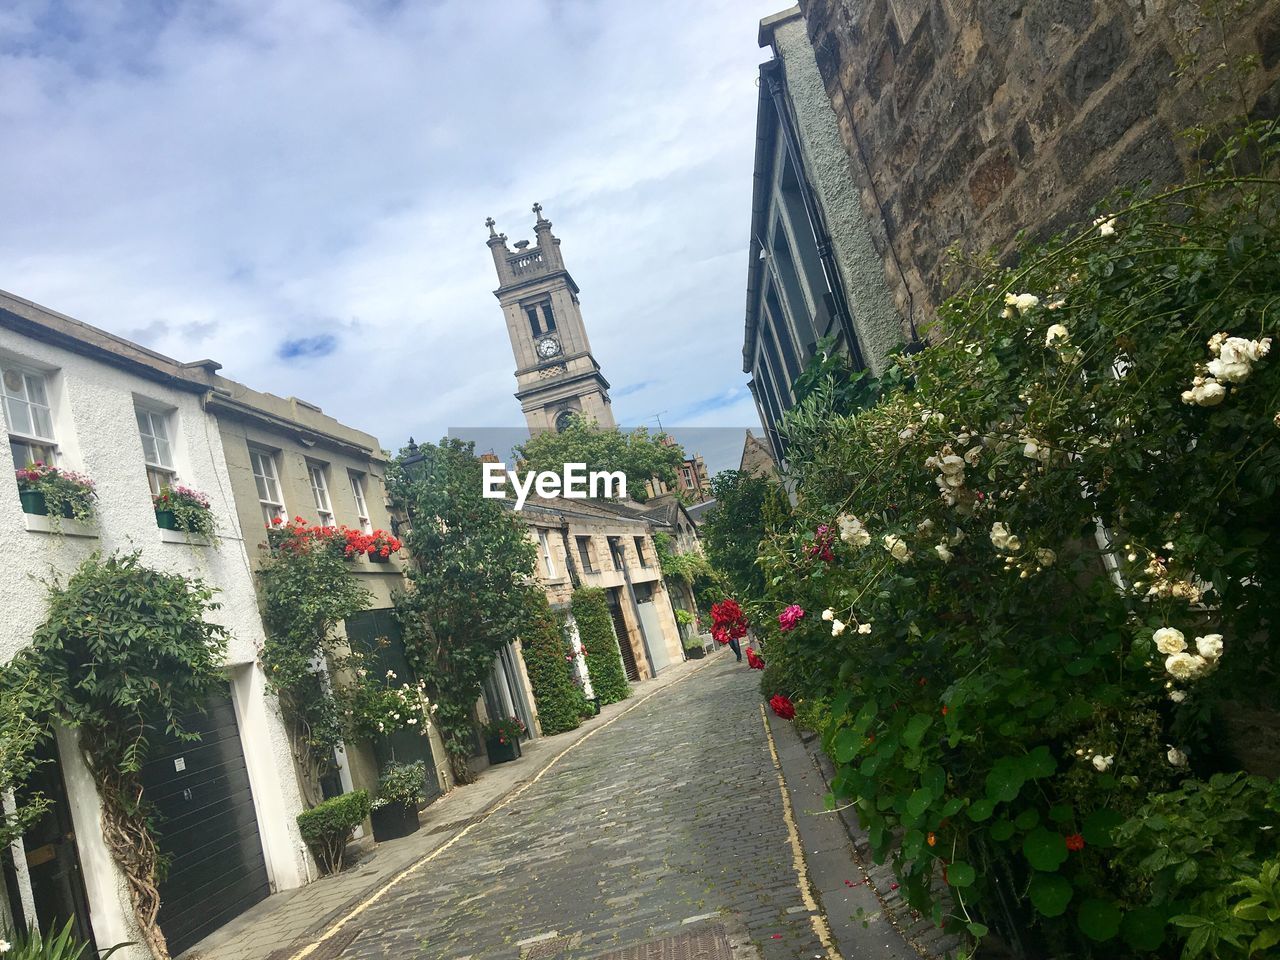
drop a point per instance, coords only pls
(532, 314)
(688, 476)
(548, 317)
(267, 481)
(157, 452)
(584, 553)
(362, 506)
(547, 561)
(26, 404)
(320, 493)
(640, 551)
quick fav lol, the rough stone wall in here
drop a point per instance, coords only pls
(968, 122)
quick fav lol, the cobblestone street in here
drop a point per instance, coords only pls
(671, 813)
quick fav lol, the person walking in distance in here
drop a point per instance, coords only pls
(729, 625)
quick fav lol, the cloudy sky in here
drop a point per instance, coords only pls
(297, 189)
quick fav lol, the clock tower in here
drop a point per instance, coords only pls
(556, 375)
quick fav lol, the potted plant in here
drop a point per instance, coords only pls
(48, 491)
(381, 545)
(502, 739)
(181, 508)
(400, 790)
(59, 945)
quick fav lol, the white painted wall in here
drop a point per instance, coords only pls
(97, 434)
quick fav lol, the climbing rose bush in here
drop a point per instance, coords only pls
(1062, 526)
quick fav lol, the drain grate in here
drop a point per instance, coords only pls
(709, 943)
(547, 949)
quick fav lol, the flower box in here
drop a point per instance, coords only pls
(502, 749)
(378, 558)
(166, 520)
(33, 502)
(394, 820)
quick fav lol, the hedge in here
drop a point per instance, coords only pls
(604, 662)
(547, 658)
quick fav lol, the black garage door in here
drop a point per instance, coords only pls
(207, 827)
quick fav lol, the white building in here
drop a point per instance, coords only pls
(229, 802)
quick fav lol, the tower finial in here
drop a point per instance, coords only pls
(537, 209)
(490, 223)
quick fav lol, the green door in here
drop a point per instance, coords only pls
(377, 634)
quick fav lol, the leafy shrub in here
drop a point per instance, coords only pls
(56, 946)
(401, 783)
(504, 729)
(604, 662)
(328, 827)
(549, 662)
(1056, 538)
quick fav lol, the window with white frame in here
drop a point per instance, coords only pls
(320, 492)
(157, 451)
(26, 406)
(545, 543)
(362, 505)
(267, 480)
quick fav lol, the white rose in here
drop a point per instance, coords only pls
(906, 433)
(1102, 764)
(1210, 646)
(897, 548)
(1176, 757)
(837, 627)
(1177, 696)
(1182, 666)
(1055, 333)
(1046, 557)
(943, 553)
(925, 528)
(864, 627)
(971, 456)
(1022, 302)
(1106, 226)
(828, 614)
(852, 531)
(1168, 640)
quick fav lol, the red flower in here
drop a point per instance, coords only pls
(944, 710)
(789, 617)
(754, 660)
(783, 707)
(1075, 842)
(278, 520)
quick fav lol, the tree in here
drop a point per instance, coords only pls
(125, 652)
(469, 585)
(732, 530)
(637, 453)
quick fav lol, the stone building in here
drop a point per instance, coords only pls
(610, 546)
(95, 403)
(969, 122)
(813, 272)
(287, 458)
(756, 460)
(556, 374)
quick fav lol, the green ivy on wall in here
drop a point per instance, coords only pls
(604, 662)
(561, 704)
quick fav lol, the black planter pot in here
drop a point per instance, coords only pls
(695, 653)
(166, 520)
(394, 821)
(376, 557)
(500, 752)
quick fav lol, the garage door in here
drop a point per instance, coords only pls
(208, 827)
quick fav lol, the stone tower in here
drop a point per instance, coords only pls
(556, 375)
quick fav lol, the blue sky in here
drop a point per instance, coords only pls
(297, 189)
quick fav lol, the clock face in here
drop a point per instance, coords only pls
(548, 347)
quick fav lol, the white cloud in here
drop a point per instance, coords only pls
(224, 177)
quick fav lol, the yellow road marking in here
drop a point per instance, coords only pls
(816, 917)
(419, 864)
